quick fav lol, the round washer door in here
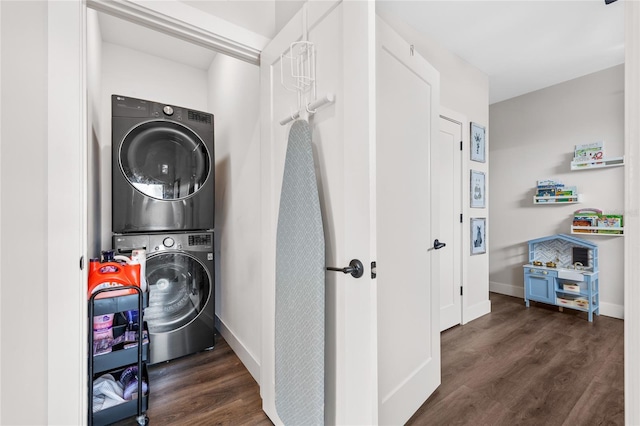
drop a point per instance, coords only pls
(179, 289)
(164, 160)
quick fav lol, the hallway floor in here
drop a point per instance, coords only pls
(536, 366)
(515, 366)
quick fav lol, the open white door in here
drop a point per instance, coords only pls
(408, 90)
(343, 145)
(447, 148)
(382, 348)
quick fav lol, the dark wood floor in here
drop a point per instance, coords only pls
(535, 366)
(515, 366)
(204, 389)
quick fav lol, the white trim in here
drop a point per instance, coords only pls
(632, 217)
(248, 359)
(359, 403)
(506, 289)
(0, 208)
(66, 226)
(181, 21)
(461, 119)
(476, 311)
(612, 310)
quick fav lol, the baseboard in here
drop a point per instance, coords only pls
(506, 289)
(611, 310)
(240, 350)
(606, 309)
(476, 311)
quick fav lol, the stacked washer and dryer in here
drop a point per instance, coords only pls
(163, 202)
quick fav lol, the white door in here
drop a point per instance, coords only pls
(342, 33)
(447, 148)
(363, 384)
(407, 225)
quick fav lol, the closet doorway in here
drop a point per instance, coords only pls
(165, 52)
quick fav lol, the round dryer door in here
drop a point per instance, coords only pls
(179, 288)
(164, 160)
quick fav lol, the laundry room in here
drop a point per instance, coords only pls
(128, 63)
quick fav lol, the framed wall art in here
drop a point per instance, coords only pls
(477, 143)
(477, 189)
(478, 235)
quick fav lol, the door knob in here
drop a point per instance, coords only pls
(355, 268)
(438, 245)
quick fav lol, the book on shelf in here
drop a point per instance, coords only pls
(600, 222)
(588, 152)
(552, 188)
(608, 221)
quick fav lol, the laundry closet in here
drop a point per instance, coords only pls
(136, 63)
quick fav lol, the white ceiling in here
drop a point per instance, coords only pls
(133, 36)
(521, 45)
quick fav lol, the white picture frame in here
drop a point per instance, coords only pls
(477, 189)
(478, 142)
(478, 235)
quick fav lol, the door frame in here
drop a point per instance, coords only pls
(210, 31)
(461, 119)
(67, 228)
(632, 206)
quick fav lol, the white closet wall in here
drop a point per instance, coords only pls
(234, 101)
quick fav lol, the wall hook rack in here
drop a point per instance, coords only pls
(300, 60)
(310, 108)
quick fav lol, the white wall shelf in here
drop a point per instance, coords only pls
(597, 164)
(598, 230)
(559, 199)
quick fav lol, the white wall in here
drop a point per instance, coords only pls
(254, 15)
(0, 212)
(136, 74)
(24, 198)
(284, 11)
(234, 100)
(94, 126)
(533, 137)
(463, 89)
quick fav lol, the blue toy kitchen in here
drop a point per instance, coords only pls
(563, 271)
